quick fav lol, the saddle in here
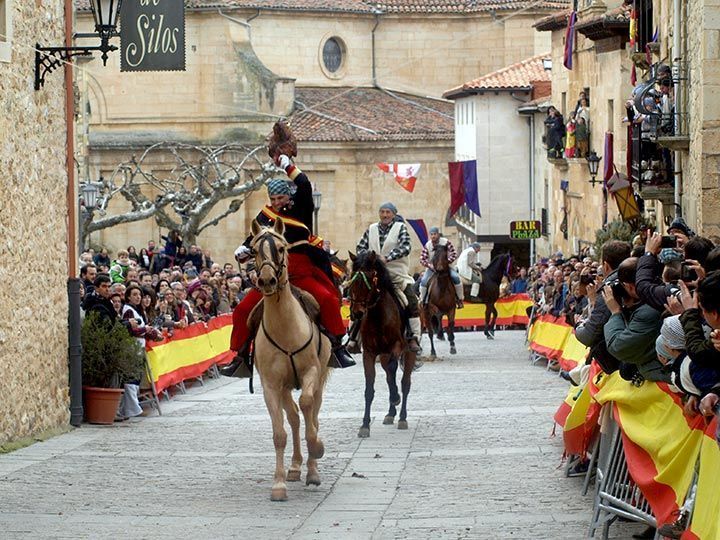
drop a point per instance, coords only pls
(308, 303)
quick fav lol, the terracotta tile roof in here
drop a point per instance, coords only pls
(372, 6)
(369, 114)
(556, 21)
(515, 77)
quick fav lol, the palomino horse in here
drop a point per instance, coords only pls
(490, 289)
(441, 300)
(290, 353)
(373, 301)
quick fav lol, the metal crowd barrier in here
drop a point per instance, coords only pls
(616, 495)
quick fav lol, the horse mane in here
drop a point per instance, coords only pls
(498, 259)
(364, 262)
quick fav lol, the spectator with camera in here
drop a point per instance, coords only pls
(633, 327)
(652, 284)
(590, 332)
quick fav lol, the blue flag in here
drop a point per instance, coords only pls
(420, 229)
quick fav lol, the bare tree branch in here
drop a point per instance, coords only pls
(199, 178)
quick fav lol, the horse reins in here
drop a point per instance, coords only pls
(373, 288)
(278, 269)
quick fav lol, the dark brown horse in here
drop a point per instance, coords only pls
(373, 302)
(500, 266)
(441, 301)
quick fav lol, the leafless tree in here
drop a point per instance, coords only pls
(201, 178)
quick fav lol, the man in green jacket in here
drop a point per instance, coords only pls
(632, 329)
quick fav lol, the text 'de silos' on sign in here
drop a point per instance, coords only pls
(152, 35)
(525, 230)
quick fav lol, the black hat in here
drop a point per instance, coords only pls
(680, 225)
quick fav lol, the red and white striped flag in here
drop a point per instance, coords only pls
(405, 174)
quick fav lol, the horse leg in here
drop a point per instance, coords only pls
(369, 364)
(494, 318)
(451, 332)
(410, 358)
(391, 377)
(313, 476)
(291, 409)
(273, 400)
(440, 331)
(488, 312)
(431, 332)
(316, 449)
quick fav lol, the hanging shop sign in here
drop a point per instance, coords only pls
(152, 35)
(525, 230)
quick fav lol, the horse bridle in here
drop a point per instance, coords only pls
(372, 285)
(277, 268)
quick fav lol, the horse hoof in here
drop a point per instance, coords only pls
(364, 432)
(441, 338)
(389, 420)
(278, 494)
(433, 356)
(453, 350)
(402, 424)
(489, 336)
(293, 476)
(312, 479)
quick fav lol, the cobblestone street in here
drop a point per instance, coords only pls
(477, 462)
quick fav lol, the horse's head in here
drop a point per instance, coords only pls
(440, 259)
(339, 269)
(271, 258)
(363, 283)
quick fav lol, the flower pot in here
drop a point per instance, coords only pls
(101, 404)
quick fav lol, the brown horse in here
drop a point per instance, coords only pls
(500, 266)
(290, 352)
(441, 301)
(373, 302)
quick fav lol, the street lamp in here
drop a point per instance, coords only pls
(317, 202)
(593, 160)
(106, 14)
(90, 193)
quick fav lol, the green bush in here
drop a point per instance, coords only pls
(110, 355)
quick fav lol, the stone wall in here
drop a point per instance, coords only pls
(33, 229)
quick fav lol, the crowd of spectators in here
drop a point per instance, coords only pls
(649, 309)
(153, 292)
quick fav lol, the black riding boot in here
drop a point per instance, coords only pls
(353, 345)
(340, 358)
(239, 367)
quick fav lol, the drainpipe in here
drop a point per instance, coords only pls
(677, 103)
(73, 282)
(531, 124)
(374, 75)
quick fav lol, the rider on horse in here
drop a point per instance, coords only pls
(309, 265)
(426, 258)
(389, 238)
(469, 269)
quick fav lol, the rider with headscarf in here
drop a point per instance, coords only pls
(308, 264)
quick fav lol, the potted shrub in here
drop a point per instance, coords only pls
(110, 357)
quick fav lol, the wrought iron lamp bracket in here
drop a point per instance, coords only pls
(47, 59)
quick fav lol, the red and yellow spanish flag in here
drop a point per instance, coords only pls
(190, 351)
(706, 515)
(661, 444)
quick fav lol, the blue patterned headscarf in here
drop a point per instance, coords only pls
(278, 186)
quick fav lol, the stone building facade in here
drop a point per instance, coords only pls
(241, 78)
(687, 38)
(601, 69)
(33, 227)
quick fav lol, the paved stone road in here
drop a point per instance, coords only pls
(477, 462)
